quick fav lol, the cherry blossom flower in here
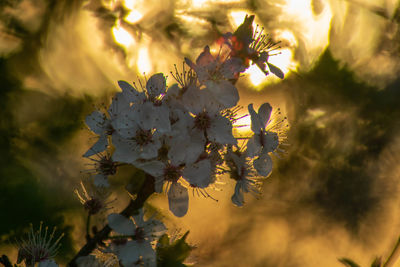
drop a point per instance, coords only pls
(215, 74)
(40, 246)
(249, 44)
(207, 116)
(248, 179)
(93, 199)
(102, 166)
(144, 233)
(104, 124)
(263, 141)
(198, 174)
(149, 109)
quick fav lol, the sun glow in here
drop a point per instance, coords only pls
(134, 16)
(237, 17)
(143, 62)
(122, 36)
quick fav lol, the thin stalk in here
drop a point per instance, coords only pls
(88, 227)
(146, 191)
(393, 256)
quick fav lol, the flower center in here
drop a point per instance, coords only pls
(107, 166)
(143, 137)
(139, 234)
(202, 121)
(93, 206)
(172, 173)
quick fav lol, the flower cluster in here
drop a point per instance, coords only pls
(182, 136)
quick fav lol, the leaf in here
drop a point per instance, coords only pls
(275, 70)
(172, 254)
(348, 262)
(377, 262)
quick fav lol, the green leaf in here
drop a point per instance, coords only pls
(377, 262)
(348, 262)
(172, 254)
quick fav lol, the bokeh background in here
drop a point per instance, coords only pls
(334, 190)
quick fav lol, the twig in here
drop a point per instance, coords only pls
(146, 191)
(5, 261)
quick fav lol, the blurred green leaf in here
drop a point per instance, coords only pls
(172, 254)
(348, 262)
(377, 262)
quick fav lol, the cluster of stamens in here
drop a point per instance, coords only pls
(107, 166)
(172, 173)
(143, 137)
(184, 78)
(263, 42)
(38, 246)
(202, 121)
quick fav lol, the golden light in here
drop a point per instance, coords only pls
(129, 3)
(134, 16)
(244, 124)
(256, 76)
(143, 62)
(237, 17)
(286, 35)
(199, 3)
(314, 28)
(122, 36)
(284, 60)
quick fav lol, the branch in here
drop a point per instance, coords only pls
(5, 261)
(146, 191)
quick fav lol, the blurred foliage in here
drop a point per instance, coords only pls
(352, 124)
(172, 254)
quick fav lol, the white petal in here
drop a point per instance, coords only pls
(198, 174)
(177, 150)
(224, 92)
(150, 150)
(123, 121)
(161, 119)
(231, 67)
(194, 100)
(255, 120)
(205, 58)
(275, 70)
(121, 224)
(95, 121)
(253, 146)
(263, 165)
(98, 147)
(178, 199)
(264, 113)
(144, 115)
(220, 131)
(101, 180)
(156, 85)
(125, 151)
(270, 141)
(129, 253)
(130, 93)
(237, 197)
(148, 254)
(158, 184)
(48, 263)
(154, 168)
(118, 105)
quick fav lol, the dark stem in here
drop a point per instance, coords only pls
(146, 191)
(394, 255)
(5, 261)
(88, 227)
